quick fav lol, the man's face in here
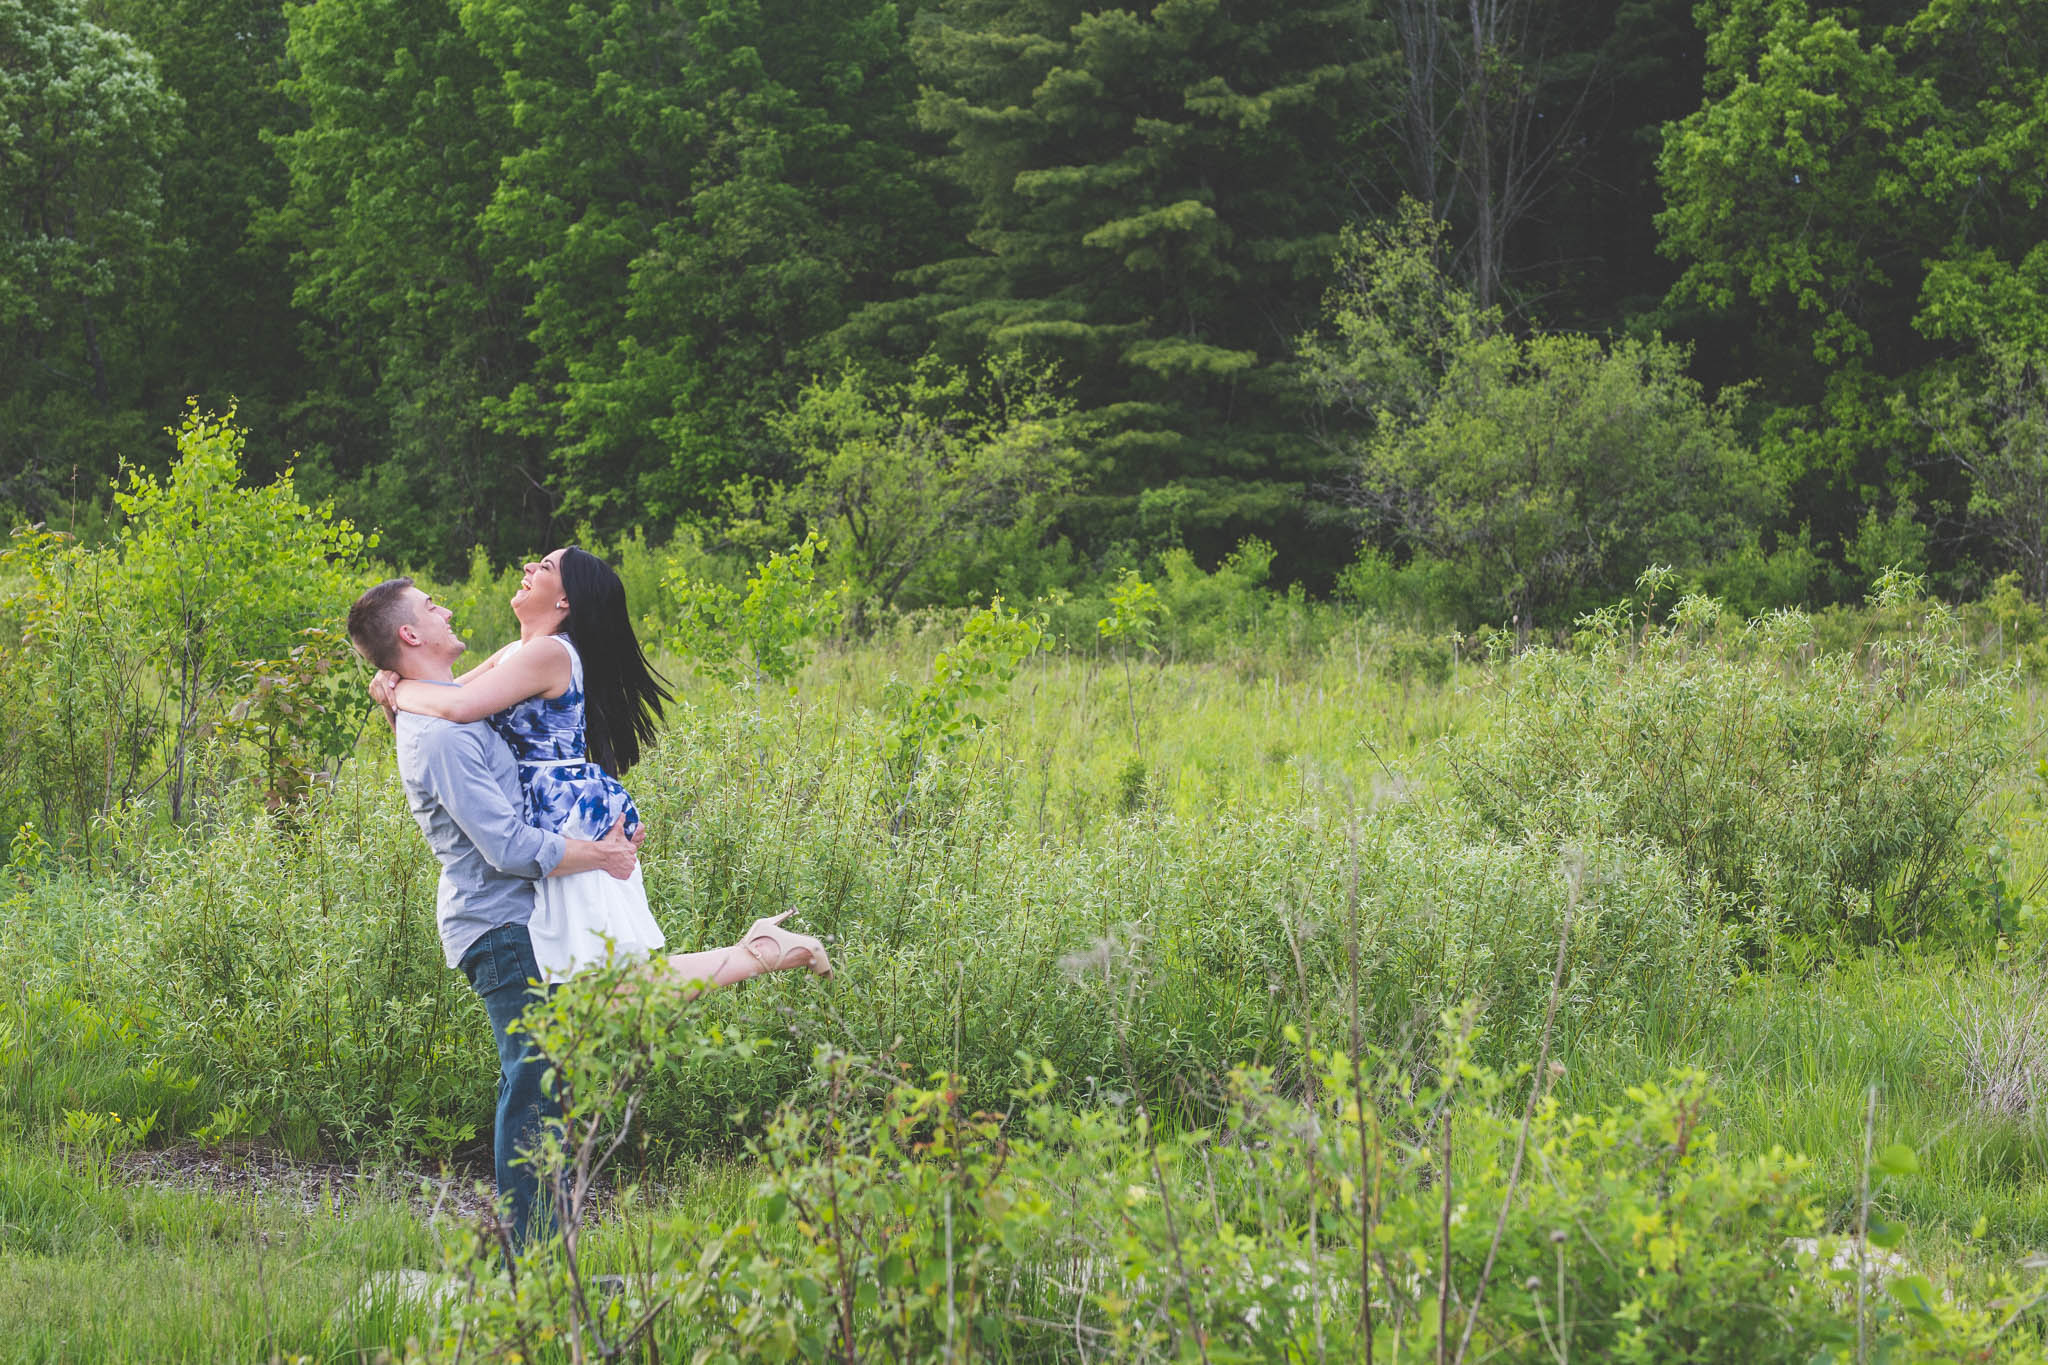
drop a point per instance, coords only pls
(430, 631)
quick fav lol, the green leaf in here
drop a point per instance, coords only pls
(1916, 1292)
(1898, 1159)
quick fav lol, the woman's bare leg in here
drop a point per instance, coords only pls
(765, 947)
(714, 966)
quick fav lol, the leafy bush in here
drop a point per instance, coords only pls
(780, 612)
(1420, 589)
(1542, 469)
(906, 480)
(1831, 797)
(1997, 433)
(1401, 1215)
(218, 574)
(1550, 468)
(1226, 613)
(1752, 582)
(2011, 626)
(130, 660)
(936, 717)
(481, 603)
(80, 733)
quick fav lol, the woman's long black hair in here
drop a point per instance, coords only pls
(622, 696)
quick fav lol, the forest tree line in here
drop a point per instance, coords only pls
(1477, 307)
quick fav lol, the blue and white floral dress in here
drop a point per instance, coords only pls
(580, 919)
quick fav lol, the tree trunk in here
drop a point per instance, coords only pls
(102, 392)
(1478, 154)
(1485, 235)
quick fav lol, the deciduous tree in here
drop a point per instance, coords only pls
(218, 324)
(1858, 201)
(420, 324)
(85, 122)
(702, 189)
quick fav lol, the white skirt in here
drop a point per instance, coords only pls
(581, 919)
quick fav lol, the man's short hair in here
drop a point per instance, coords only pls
(374, 620)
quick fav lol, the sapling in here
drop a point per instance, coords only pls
(782, 611)
(937, 716)
(1133, 621)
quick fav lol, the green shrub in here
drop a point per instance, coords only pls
(81, 733)
(129, 663)
(906, 480)
(297, 967)
(938, 716)
(1409, 1217)
(1752, 582)
(1541, 468)
(2011, 627)
(481, 604)
(1416, 589)
(218, 574)
(1995, 429)
(775, 616)
(1227, 613)
(1833, 797)
(1211, 612)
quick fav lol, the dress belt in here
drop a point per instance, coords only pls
(552, 762)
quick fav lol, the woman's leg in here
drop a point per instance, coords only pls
(765, 947)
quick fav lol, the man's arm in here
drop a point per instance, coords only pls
(455, 770)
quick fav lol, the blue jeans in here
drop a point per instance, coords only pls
(501, 969)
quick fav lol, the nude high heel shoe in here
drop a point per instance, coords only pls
(776, 948)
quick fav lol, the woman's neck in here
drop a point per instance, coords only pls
(529, 631)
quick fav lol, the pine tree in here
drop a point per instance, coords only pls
(1157, 194)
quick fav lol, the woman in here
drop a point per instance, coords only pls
(575, 699)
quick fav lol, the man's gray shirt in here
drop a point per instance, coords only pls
(464, 790)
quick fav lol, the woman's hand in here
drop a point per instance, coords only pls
(384, 691)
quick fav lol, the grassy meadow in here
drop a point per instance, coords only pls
(1217, 927)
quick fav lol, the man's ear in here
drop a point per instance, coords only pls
(408, 636)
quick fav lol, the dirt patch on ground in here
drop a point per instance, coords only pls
(247, 1171)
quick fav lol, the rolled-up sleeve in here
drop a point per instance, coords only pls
(459, 770)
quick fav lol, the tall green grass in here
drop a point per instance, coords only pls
(1142, 912)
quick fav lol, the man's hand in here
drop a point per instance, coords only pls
(618, 853)
(614, 853)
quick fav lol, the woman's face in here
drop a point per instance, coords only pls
(540, 587)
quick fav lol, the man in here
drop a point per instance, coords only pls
(464, 791)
